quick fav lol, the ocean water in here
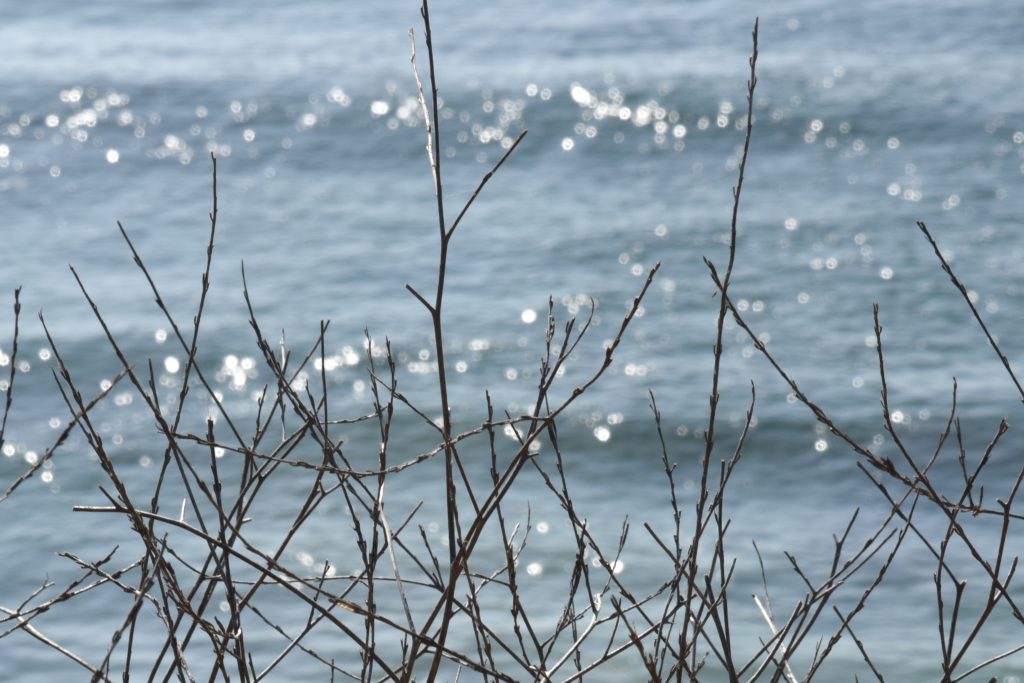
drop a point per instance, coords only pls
(868, 117)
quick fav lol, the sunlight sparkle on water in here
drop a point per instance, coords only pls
(172, 364)
(635, 369)
(338, 96)
(617, 566)
(582, 96)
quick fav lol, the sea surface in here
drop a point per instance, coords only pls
(868, 117)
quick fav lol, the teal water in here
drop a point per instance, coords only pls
(869, 117)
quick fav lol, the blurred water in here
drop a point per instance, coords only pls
(869, 116)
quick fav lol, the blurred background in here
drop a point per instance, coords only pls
(868, 117)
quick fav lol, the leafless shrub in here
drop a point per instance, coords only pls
(414, 611)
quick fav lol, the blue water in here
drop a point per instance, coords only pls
(868, 117)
